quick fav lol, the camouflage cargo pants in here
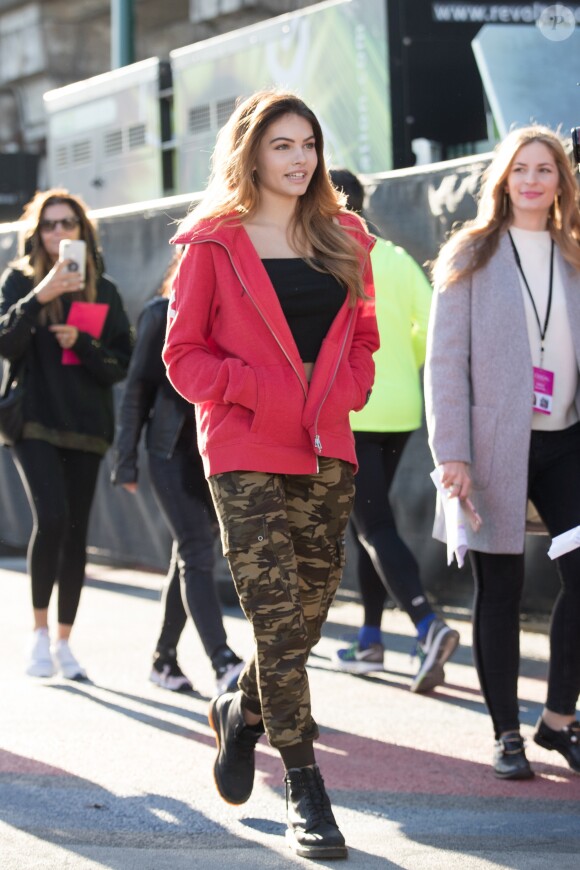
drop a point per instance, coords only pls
(283, 537)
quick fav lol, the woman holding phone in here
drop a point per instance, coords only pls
(69, 371)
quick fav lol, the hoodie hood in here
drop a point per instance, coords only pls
(224, 227)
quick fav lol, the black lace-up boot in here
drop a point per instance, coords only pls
(236, 741)
(312, 830)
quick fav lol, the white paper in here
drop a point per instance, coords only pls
(565, 542)
(454, 522)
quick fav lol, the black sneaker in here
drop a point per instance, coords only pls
(236, 742)
(509, 758)
(312, 830)
(566, 741)
(167, 674)
(227, 667)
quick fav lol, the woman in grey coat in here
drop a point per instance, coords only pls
(503, 409)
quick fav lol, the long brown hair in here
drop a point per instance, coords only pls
(34, 260)
(471, 247)
(234, 189)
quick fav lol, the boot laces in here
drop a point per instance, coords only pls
(317, 799)
(246, 743)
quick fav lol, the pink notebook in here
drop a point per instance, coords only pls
(87, 317)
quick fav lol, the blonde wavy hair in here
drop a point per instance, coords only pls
(470, 247)
(34, 260)
(233, 190)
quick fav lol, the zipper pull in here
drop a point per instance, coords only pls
(318, 443)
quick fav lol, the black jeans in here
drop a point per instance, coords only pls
(183, 496)
(385, 563)
(60, 486)
(554, 488)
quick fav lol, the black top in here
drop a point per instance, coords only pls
(66, 405)
(310, 301)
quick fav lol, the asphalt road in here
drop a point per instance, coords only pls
(116, 773)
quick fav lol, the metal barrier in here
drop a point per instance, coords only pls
(414, 208)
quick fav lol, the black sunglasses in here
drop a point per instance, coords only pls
(68, 223)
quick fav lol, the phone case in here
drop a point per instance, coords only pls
(75, 250)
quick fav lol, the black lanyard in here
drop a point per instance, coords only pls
(549, 307)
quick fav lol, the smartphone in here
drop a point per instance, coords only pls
(76, 251)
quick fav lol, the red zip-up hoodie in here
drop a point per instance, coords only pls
(230, 351)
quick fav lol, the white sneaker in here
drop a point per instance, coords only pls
(354, 660)
(40, 663)
(167, 674)
(68, 666)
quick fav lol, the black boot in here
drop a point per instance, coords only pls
(509, 758)
(312, 830)
(236, 741)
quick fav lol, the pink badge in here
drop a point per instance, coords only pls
(543, 390)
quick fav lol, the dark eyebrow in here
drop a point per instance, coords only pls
(288, 139)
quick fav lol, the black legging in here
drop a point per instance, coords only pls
(554, 488)
(183, 496)
(373, 593)
(60, 485)
(395, 567)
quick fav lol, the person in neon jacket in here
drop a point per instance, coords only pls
(382, 429)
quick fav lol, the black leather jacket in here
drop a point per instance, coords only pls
(149, 400)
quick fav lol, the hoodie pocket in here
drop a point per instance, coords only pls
(280, 404)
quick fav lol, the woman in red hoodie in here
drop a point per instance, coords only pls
(271, 334)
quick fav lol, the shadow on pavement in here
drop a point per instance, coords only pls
(78, 815)
(83, 691)
(447, 693)
(350, 762)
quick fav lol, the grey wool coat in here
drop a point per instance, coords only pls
(478, 392)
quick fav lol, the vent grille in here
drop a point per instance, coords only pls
(136, 136)
(224, 109)
(81, 151)
(199, 119)
(61, 156)
(113, 142)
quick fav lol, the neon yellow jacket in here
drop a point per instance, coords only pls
(403, 299)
